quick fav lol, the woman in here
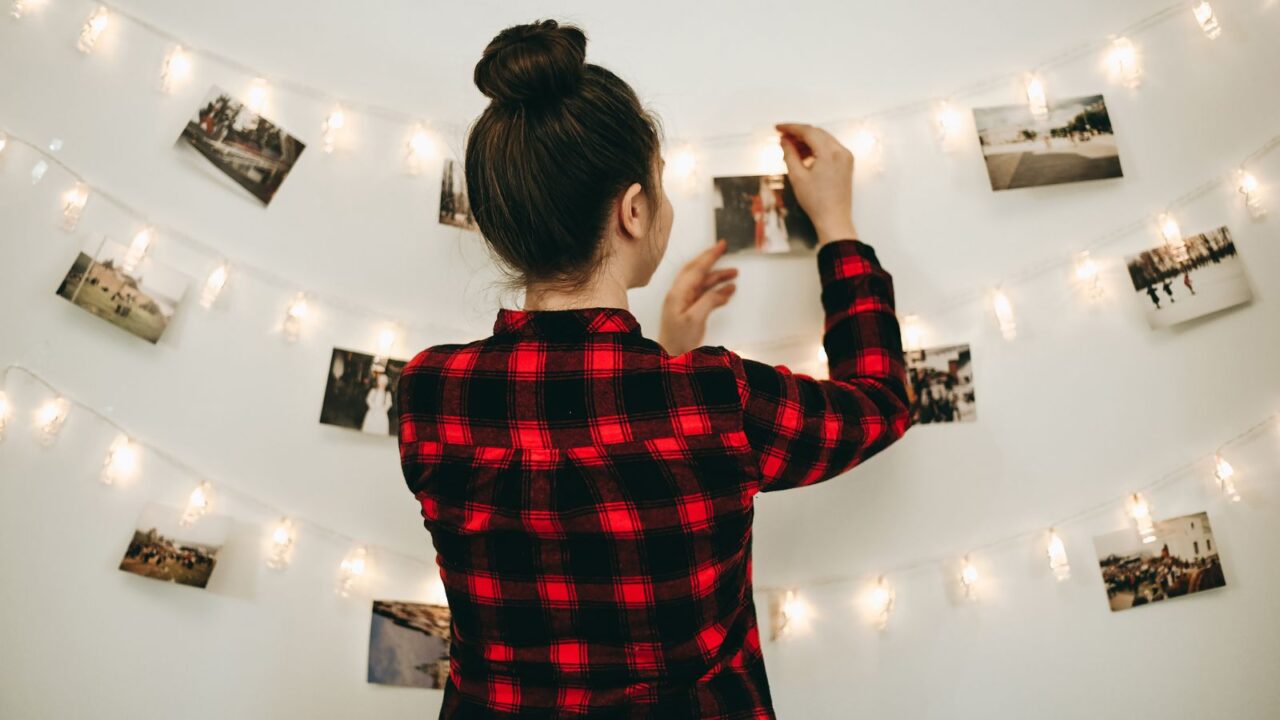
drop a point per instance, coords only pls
(768, 209)
(378, 404)
(589, 491)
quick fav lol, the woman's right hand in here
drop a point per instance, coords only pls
(821, 172)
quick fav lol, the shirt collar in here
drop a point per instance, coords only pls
(560, 323)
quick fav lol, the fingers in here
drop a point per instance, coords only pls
(819, 141)
(712, 299)
(715, 277)
(703, 261)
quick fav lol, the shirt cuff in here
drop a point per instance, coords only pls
(843, 259)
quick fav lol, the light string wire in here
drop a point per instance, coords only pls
(220, 487)
(238, 265)
(1180, 472)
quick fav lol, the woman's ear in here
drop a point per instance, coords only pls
(633, 212)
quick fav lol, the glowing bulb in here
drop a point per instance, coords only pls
(282, 540)
(912, 334)
(420, 148)
(93, 29)
(213, 285)
(865, 144)
(1251, 190)
(792, 615)
(5, 411)
(949, 122)
(1170, 230)
(770, 156)
(121, 462)
(50, 417)
(294, 316)
(352, 569)
(388, 336)
(1141, 514)
(684, 165)
(879, 603)
(257, 99)
(198, 504)
(20, 8)
(175, 69)
(137, 250)
(1207, 19)
(333, 124)
(38, 170)
(1003, 308)
(1225, 474)
(1087, 274)
(73, 202)
(969, 578)
(1125, 63)
(4, 140)
(1037, 98)
(1058, 557)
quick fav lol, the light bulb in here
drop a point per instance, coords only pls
(1225, 475)
(282, 540)
(879, 603)
(175, 69)
(1003, 308)
(198, 504)
(1251, 191)
(93, 29)
(333, 124)
(213, 285)
(50, 417)
(769, 156)
(1204, 14)
(5, 411)
(121, 462)
(865, 144)
(73, 202)
(949, 122)
(969, 578)
(1037, 98)
(1058, 557)
(1087, 274)
(792, 614)
(388, 336)
(1124, 63)
(4, 140)
(912, 334)
(137, 250)
(257, 99)
(420, 148)
(294, 316)
(38, 170)
(352, 570)
(1171, 232)
(20, 8)
(1141, 514)
(683, 166)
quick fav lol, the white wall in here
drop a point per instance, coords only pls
(1085, 405)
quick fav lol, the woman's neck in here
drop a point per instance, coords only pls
(603, 291)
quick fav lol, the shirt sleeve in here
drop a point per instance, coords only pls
(803, 430)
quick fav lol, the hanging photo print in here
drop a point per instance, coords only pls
(1181, 560)
(138, 295)
(940, 385)
(1073, 143)
(1180, 282)
(409, 644)
(246, 147)
(164, 549)
(455, 209)
(361, 392)
(761, 213)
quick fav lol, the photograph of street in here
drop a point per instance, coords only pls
(1182, 560)
(142, 301)
(1074, 143)
(164, 549)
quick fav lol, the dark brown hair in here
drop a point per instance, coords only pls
(560, 140)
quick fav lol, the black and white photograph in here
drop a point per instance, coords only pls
(409, 644)
(1182, 560)
(455, 208)
(1179, 282)
(163, 549)
(760, 213)
(940, 385)
(246, 147)
(141, 299)
(1074, 143)
(361, 392)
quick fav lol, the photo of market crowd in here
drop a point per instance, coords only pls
(1138, 573)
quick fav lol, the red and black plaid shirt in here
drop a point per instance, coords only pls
(589, 497)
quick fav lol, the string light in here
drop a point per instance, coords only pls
(352, 570)
(4, 140)
(879, 603)
(73, 202)
(949, 122)
(137, 250)
(38, 170)
(294, 316)
(1003, 308)
(256, 101)
(1225, 474)
(1057, 551)
(1087, 274)
(770, 156)
(1251, 190)
(50, 417)
(683, 167)
(175, 69)
(213, 285)
(1207, 19)
(1037, 98)
(912, 333)
(5, 411)
(282, 540)
(198, 504)
(93, 29)
(1125, 63)
(1141, 514)
(793, 613)
(1171, 232)
(121, 462)
(333, 124)
(388, 338)
(20, 8)
(969, 578)
(866, 146)
(420, 148)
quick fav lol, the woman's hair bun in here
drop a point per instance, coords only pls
(532, 64)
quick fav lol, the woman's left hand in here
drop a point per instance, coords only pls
(698, 289)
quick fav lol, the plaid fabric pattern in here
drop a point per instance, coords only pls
(589, 497)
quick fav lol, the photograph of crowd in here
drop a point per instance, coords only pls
(940, 385)
(1183, 281)
(245, 146)
(1182, 560)
(760, 213)
(163, 549)
(141, 301)
(409, 644)
(1074, 143)
(455, 208)
(361, 392)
